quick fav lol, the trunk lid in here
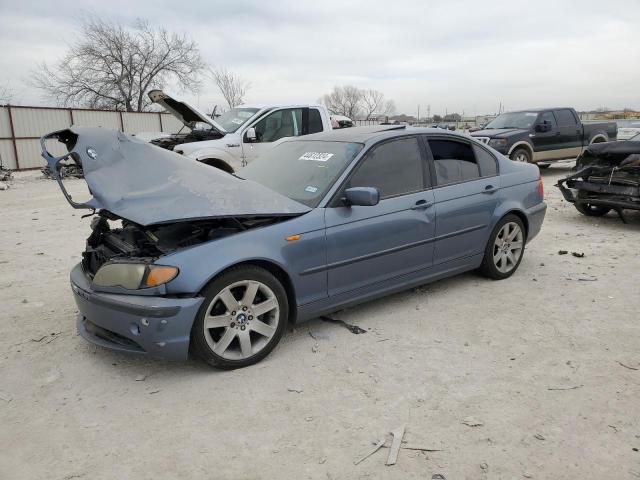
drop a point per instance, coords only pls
(148, 185)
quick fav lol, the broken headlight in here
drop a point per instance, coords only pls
(133, 276)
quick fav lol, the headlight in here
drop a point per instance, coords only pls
(133, 276)
(498, 142)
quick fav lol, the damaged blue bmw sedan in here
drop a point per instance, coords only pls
(185, 257)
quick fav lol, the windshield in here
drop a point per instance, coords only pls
(302, 170)
(513, 120)
(232, 120)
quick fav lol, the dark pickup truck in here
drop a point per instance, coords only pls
(543, 135)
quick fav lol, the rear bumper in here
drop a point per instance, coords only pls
(535, 217)
(156, 326)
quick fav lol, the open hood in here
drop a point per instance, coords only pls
(182, 110)
(149, 185)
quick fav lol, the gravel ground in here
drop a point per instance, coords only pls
(546, 362)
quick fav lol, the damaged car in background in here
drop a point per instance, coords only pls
(183, 257)
(607, 178)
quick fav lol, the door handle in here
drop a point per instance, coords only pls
(489, 189)
(421, 205)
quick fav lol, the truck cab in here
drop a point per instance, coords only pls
(241, 134)
(543, 135)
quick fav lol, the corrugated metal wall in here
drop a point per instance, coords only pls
(21, 128)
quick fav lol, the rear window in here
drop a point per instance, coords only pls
(565, 118)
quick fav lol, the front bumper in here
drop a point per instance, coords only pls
(156, 326)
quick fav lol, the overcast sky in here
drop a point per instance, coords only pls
(456, 55)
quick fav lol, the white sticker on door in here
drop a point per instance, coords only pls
(316, 156)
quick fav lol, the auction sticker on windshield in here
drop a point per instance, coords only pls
(316, 156)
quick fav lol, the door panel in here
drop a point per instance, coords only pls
(367, 245)
(464, 213)
(544, 143)
(466, 197)
(570, 132)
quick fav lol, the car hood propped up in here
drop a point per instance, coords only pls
(149, 185)
(187, 114)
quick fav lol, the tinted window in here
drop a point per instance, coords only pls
(565, 118)
(315, 121)
(548, 117)
(394, 167)
(486, 162)
(454, 161)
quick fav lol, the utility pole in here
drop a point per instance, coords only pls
(418, 113)
(428, 113)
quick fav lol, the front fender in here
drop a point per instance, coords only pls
(220, 154)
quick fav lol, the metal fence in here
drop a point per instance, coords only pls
(21, 128)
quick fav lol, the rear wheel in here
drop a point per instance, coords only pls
(242, 318)
(505, 248)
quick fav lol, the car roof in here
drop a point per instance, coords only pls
(539, 109)
(373, 133)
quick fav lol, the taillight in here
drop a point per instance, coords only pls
(540, 187)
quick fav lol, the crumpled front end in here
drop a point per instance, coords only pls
(607, 177)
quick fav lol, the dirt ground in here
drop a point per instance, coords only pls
(547, 361)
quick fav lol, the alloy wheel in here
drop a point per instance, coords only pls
(508, 247)
(241, 319)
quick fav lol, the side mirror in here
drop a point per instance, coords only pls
(361, 196)
(251, 134)
(543, 127)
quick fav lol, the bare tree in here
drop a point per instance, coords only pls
(346, 100)
(6, 94)
(372, 102)
(232, 86)
(112, 66)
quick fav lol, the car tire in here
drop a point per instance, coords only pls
(591, 210)
(505, 248)
(521, 155)
(225, 333)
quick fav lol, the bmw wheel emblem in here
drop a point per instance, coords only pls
(92, 152)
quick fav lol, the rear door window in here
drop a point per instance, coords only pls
(454, 161)
(394, 168)
(486, 162)
(315, 121)
(565, 118)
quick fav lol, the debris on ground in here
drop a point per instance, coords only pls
(375, 448)
(395, 445)
(352, 328)
(295, 389)
(484, 466)
(322, 460)
(141, 378)
(153, 392)
(527, 475)
(472, 422)
(539, 436)
(578, 255)
(4, 186)
(314, 349)
(66, 170)
(5, 397)
(563, 252)
(565, 388)
(438, 476)
(626, 366)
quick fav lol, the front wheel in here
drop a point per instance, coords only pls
(505, 248)
(242, 318)
(521, 155)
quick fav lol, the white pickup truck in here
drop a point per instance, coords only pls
(238, 136)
